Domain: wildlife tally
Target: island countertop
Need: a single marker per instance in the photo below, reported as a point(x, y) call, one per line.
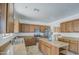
point(57, 44)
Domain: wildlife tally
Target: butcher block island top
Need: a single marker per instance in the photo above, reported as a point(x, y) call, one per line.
point(52, 47)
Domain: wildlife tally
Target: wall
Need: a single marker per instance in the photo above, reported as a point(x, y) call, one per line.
point(32, 22)
point(57, 24)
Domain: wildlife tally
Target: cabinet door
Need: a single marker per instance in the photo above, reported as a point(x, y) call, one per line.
point(1, 23)
point(42, 28)
point(27, 28)
point(73, 46)
point(47, 50)
point(20, 27)
point(63, 27)
point(76, 26)
point(69, 26)
point(60, 39)
point(32, 28)
point(10, 20)
point(78, 47)
point(3, 17)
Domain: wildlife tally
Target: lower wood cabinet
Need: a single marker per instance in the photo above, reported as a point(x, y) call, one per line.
point(48, 48)
point(78, 47)
point(73, 44)
point(45, 48)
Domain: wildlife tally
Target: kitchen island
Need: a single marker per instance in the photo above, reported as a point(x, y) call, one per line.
point(52, 47)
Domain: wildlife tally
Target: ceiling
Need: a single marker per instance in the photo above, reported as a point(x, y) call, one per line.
point(45, 12)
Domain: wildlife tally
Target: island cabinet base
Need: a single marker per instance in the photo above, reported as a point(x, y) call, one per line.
point(48, 49)
point(52, 48)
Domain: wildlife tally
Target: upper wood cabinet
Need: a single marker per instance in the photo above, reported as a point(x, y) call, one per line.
point(70, 26)
point(10, 20)
point(24, 27)
point(76, 25)
point(42, 28)
point(27, 27)
point(6, 20)
point(3, 13)
point(63, 27)
point(32, 27)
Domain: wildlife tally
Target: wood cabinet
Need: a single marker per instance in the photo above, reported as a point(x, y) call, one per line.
point(3, 14)
point(10, 19)
point(45, 48)
point(63, 27)
point(42, 28)
point(60, 39)
point(73, 46)
point(69, 26)
point(24, 27)
point(78, 47)
point(32, 27)
point(6, 20)
point(76, 26)
point(50, 48)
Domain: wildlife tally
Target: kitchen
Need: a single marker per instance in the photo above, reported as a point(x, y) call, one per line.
point(39, 29)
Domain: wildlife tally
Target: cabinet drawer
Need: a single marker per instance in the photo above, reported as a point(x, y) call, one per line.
point(66, 40)
point(60, 39)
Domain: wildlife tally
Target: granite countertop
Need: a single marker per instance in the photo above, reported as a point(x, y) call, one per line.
point(6, 39)
point(57, 44)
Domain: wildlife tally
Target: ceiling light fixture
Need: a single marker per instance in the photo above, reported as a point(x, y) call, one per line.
point(36, 10)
